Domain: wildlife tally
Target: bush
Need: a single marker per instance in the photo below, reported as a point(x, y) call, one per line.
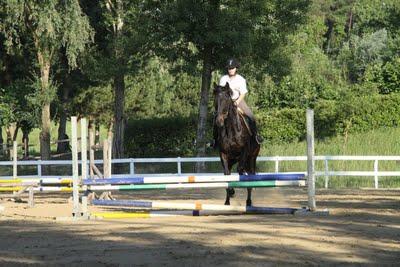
point(282, 126)
point(175, 136)
point(167, 137)
point(352, 115)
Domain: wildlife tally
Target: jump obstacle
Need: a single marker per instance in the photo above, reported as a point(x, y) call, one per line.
point(17, 187)
point(80, 210)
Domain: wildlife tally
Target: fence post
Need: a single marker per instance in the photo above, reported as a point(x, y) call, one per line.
point(84, 148)
point(310, 160)
point(376, 174)
point(131, 167)
point(15, 155)
point(109, 155)
point(91, 149)
point(39, 168)
point(31, 200)
point(326, 173)
point(75, 175)
point(178, 162)
point(105, 159)
point(276, 164)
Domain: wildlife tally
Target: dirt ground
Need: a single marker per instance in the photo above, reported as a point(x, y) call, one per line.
point(363, 228)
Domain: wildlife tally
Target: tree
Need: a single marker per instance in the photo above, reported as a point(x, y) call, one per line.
point(209, 32)
point(116, 54)
point(50, 25)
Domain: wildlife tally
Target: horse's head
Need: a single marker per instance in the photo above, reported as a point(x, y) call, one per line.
point(222, 103)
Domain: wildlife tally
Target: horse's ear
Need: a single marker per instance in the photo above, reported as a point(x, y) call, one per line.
point(215, 88)
point(228, 88)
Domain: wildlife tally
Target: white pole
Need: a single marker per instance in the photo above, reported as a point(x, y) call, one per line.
point(84, 147)
point(105, 159)
point(84, 170)
point(109, 155)
point(376, 173)
point(310, 160)
point(276, 164)
point(91, 149)
point(15, 154)
point(75, 175)
point(326, 174)
point(179, 166)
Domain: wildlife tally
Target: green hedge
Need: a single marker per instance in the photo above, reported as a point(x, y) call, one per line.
point(358, 114)
point(282, 126)
point(176, 136)
point(167, 137)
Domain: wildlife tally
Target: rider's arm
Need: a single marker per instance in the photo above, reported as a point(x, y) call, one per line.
point(242, 91)
point(241, 97)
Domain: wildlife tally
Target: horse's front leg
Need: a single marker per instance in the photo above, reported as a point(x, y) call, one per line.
point(227, 164)
point(244, 164)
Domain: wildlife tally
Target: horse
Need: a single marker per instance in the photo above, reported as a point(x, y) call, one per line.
point(235, 141)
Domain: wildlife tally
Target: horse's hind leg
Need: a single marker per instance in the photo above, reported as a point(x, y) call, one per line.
point(227, 164)
point(251, 169)
point(248, 201)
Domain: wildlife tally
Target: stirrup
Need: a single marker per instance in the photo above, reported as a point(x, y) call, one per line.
point(259, 139)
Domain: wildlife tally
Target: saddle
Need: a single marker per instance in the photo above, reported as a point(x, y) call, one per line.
point(246, 120)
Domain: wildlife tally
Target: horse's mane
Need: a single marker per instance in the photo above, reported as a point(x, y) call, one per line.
point(233, 116)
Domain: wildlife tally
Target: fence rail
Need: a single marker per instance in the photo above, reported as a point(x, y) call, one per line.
point(326, 172)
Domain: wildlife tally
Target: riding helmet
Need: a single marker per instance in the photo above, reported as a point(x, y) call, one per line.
point(232, 63)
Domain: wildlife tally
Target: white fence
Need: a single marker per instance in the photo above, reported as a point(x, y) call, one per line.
point(326, 173)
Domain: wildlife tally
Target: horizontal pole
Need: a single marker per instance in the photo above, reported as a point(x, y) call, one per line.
point(195, 185)
point(39, 189)
point(191, 206)
point(358, 173)
point(203, 159)
point(151, 214)
point(41, 181)
point(194, 179)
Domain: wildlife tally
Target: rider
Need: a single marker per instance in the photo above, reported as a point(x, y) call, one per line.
point(238, 85)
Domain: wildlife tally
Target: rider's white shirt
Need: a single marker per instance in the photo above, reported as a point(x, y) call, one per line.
point(237, 83)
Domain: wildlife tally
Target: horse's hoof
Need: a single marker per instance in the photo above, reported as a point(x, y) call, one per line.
point(227, 203)
point(249, 203)
point(231, 192)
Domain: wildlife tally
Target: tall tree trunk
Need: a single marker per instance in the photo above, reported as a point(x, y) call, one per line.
point(1, 140)
point(97, 134)
point(44, 64)
point(202, 122)
point(64, 146)
point(119, 117)
point(11, 133)
point(25, 142)
point(117, 8)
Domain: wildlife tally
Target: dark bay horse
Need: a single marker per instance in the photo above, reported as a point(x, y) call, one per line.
point(235, 142)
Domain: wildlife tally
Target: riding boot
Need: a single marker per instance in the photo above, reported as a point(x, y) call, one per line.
point(214, 142)
point(254, 130)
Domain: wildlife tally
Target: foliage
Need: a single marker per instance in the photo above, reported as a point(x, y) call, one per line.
point(51, 23)
point(158, 91)
point(95, 102)
point(283, 125)
point(167, 137)
point(16, 107)
point(344, 61)
point(384, 77)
